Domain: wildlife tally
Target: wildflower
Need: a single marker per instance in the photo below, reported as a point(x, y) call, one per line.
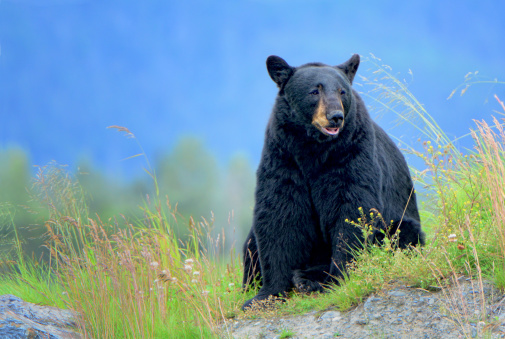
point(188, 261)
point(194, 281)
point(205, 293)
point(452, 237)
point(196, 273)
point(230, 285)
point(154, 264)
point(188, 268)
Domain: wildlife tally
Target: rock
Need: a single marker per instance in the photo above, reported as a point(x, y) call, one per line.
point(20, 319)
point(362, 321)
point(399, 313)
point(330, 316)
point(397, 294)
point(377, 316)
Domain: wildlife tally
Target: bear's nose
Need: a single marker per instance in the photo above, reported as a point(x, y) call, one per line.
point(336, 117)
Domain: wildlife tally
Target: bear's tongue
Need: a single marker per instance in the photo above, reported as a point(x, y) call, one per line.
point(331, 130)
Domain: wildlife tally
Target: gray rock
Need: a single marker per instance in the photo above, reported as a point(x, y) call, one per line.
point(20, 319)
point(330, 315)
point(397, 294)
point(362, 322)
point(400, 313)
point(376, 316)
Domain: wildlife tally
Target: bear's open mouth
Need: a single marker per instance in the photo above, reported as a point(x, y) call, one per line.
point(331, 130)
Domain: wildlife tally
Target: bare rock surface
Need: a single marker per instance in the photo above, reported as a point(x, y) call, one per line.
point(20, 319)
point(465, 310)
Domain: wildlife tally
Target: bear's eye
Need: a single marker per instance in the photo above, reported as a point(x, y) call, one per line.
point(314, 92)
point(342, 92)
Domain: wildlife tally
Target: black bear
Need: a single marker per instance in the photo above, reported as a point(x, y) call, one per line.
point(323, 159)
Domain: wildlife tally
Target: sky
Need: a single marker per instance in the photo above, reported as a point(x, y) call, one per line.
point(167, 69)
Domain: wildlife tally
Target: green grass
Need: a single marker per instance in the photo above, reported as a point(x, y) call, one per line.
point(126, 280)
point(286, 334)
point(137, 279)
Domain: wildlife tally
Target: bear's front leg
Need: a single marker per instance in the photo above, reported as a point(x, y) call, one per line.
point(284, 226)
point(252, 272)
point(344, 236)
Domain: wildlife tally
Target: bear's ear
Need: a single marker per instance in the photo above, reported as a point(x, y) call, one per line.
point(350, 67)
point(279, 70)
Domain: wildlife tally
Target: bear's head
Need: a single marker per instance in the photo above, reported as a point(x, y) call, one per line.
point(319, 96)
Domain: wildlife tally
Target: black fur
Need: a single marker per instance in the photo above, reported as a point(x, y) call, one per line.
point(313, 176)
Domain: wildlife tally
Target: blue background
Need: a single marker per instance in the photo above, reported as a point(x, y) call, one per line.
point(69, 69)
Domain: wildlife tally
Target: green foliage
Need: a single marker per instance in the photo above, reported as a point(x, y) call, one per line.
point(14, 176)
point(189, 176)
point(129, 280)
point(285, 333)
point(498, 275)
point(15, 205)
point(108, 197)
point(32, 281)
point(187, 172)
point(126, 280)
point(195, 186)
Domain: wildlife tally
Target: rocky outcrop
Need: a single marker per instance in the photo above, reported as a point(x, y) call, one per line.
point(20, 319)
point(464, 310)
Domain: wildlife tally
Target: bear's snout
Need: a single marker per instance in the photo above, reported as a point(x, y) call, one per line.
point(329, 116)
point(335, 118)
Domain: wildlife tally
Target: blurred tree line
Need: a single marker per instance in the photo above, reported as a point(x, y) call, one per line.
point(188, 176)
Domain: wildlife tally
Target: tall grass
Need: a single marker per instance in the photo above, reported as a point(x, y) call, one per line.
point(490, 148)
point(139, 280)
point(126, 279)
point(457, 197)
